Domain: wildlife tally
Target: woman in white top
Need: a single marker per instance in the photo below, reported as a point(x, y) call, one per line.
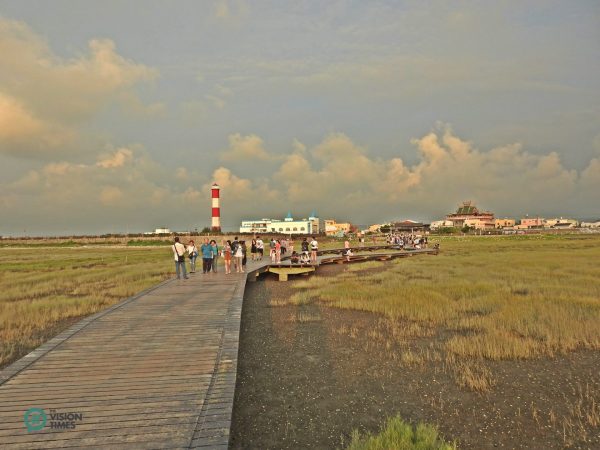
point(239, 256)
point(193, 252)
point(314, 248)
point(347, 250)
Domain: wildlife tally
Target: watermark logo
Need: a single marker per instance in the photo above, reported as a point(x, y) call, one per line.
point(35, 419)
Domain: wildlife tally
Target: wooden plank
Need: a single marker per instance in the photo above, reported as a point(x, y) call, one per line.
point(159, 368)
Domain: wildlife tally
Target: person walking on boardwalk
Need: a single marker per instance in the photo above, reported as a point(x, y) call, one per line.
point(305, 248)
point(314, 248)
point(260, 248)
point(215, 249)
point(283, 244)
point(227, 256)
point(207, 256)
point(244, 253)
point(347, 250)
point(179, 254)
point(277, 251)
point(234, 246)
point(193, 254)
point(239, 256)
point(253, 249)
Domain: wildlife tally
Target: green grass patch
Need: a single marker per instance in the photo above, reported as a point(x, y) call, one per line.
point(146, 243)
point(399, 435)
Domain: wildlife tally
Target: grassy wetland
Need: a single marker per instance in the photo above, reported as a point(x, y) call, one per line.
point(44, 290)
point(495, 341)
point(495, 298)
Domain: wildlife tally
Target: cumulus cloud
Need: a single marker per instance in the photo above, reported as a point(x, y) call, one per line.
point(125, 186)
point(341, 178)
point(337, 178)
point(44, 98)
point(250, 147)
point(24, 134)
point(117, 159)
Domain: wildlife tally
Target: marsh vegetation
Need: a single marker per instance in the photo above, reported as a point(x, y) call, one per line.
point(496, 340)
point(490, 298)
point(44, 290)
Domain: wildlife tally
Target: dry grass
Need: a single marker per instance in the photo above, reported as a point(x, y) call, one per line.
point(43, 290)
point(305, 317)
point(583, 414)
point(495, 298)
point(472, 375)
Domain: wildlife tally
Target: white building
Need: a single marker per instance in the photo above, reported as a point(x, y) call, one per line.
point(163, 230)
point(255, 226)
point(436, 224)
point(590, 224)
point(285, 226)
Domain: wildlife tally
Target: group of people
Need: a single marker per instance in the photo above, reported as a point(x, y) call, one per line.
point(308, 254)
point(209, 250)
point(231, 251)
point(236, 252)
point(407, 240)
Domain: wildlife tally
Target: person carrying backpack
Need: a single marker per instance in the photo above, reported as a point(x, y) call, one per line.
point(179, 254)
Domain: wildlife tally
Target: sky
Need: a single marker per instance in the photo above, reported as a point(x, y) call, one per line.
point(118, 116)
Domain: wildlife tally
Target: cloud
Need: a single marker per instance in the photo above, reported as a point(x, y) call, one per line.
point(44, 99)
point(341, 178)
point(125, 186)
point(200, 109)
point(110, 196)
point(23, 134)
point(117, 159)
point(250, 147)
point(222, 9)
point(336, 177)
point(230, 10)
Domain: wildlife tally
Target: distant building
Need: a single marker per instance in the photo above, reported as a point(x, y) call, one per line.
point(479, 224)
point(468, 214)
point(437, 224)
point(285, 226)
point(561, 223)
point(590, 224)
point(163, 230)
point(532, 222)
point(332, 228)
point(407, 225)
point(505, 223)
point(255, 226)
point(374, 228)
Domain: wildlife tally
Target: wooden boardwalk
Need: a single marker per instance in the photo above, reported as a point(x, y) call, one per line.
point(156, 371)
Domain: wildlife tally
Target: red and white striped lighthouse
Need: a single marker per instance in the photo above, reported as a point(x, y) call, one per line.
point(216, 209)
